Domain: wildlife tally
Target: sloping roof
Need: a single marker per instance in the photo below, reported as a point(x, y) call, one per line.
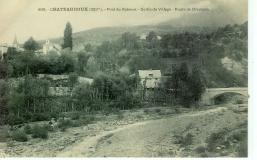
point(146, 73)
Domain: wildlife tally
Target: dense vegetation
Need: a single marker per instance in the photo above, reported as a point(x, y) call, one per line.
point(113, 65)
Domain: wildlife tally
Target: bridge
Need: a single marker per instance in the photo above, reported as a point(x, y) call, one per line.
point(211, 93)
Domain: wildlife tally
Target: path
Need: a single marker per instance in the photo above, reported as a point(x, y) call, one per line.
point(152, 138)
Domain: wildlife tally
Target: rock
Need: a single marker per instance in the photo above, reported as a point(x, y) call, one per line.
point(234, 141)
point(218, 148)
point(222, 146)
point(76, 134)
point(92, 134)
point(91, 149)
point(61, 148)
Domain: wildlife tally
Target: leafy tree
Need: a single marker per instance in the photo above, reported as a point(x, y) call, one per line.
point(83, 96)
point(197, 84)
point(151, 36)
point(67, 39)
point(31, 44)
point(66, 62)
point(3, 70)
point(3, 101)
point(129, 41)
point(152, 39)
point(88, 47)
point(82, 62)
point(187, 87)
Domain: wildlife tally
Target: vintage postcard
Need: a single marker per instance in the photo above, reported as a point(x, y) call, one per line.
point(116, 78)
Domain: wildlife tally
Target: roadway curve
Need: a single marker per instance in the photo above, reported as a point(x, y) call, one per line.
point(156, 137)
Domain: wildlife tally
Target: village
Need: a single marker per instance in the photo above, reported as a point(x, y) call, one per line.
point(151, 94)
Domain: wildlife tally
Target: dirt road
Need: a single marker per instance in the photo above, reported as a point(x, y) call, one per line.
point(156, 137)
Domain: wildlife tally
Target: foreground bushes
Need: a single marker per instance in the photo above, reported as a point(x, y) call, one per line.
point(19, 135)
point(184, 141)
point(63, 124)
point(39, 132)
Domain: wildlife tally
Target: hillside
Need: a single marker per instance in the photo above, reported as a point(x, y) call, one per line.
point(98, 35)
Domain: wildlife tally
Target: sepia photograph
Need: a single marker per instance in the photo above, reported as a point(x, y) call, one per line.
point(116, 78)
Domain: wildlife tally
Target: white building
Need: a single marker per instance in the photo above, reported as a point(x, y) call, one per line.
point(48, 47)
point(150, 79)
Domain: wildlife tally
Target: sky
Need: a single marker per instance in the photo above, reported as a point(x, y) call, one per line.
point(22, 18)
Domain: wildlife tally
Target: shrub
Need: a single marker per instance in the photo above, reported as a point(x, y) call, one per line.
point(48, 127)
point(88, 119)
point(200, 149)
point(75, 116)
point(146, 111)
point(54, 115)
point(184, 140)
point(27, 116)
point(39, 132)
point(40, 117)
point(177, 110)
point(14, 120)
point(19, 135)
point(64, 124)
point(239, 101)
point(27, 129)
point(77, 123)
point(243, 148)
point(187, 140)
point(4, 135)
point(157, 110)
point(216, 139)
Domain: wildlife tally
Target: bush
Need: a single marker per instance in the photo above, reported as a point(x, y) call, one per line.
point(75, 116)
point(157, 110)
point(19, 135)
point(239, 101)
point(146, 111)
point(184, 140)
point(243, 148)
point(200, 149)
point(216, 139)
point(4, 134)
point(88, 119)
point(40, 117)
point(77, 123)
point(27, 129)
point(39, 132)
point(48, 127)
point(27, 117)
point(54, 115)
point(63, 124)
point(14, 120)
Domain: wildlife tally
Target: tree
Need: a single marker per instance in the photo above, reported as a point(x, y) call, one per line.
point(187, 87)
point(88, 47)
point(151, 36)
point(129, 40)
point(3, 101)
point(152, 39)
point(3, 70)
point(67, 39)
point(83, 96)
point(197, 84)
point(31, 45)
point(82, 62)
